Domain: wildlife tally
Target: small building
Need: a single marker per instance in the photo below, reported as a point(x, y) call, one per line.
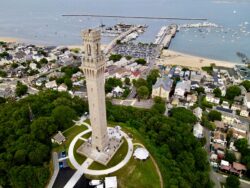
point(198, 130)
point(62, 87)
point(182, 87)
point(198, 112)
point(225, 104)
point(51, 85)
point(162, 88)
point(117, 91)
point(212, 99)
point(244, 112)
point(111, 182)
point(238, 168)
point(247, 100)
point(59, 138)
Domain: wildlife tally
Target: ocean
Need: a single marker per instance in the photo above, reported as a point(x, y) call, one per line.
point(41, 22)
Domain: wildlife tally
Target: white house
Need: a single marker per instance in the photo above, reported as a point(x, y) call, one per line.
point(198, 112)
point(62, 87)
point(247, 100)
point(51, 85)
point(182, 87)
point(162, 88)
point(198, 130)
point(212, 99)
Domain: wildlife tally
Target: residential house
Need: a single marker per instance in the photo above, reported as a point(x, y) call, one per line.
point(247, 100)
point(162, 88)
point(212, 99)
point(62, 87)
point(244, 112)
point(198, 112)
point(51, 85)
point(198, 130)
point(182, 87)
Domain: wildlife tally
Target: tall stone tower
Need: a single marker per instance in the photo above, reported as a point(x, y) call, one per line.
point(93, 66)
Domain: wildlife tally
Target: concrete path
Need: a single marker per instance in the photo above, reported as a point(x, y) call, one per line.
point(71, 148)
point(74, 179)
point(62, 159)
point(56, 170)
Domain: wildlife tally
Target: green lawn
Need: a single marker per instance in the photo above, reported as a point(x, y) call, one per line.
point(87, 135)
point(79, 158)
point(70, 135)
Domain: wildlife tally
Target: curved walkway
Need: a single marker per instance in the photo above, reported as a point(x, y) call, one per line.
point(155, 164)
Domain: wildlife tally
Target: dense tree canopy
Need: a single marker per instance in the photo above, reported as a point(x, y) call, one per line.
point(110, 83)
point(217, 92)
point(246, 84)
point(232, 182)
point(142, 92)
point(181, 158)
point(25, 130)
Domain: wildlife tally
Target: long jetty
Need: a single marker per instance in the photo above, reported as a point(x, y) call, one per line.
point(134, 17)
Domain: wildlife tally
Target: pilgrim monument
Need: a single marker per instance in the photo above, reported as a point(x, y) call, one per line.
point(101, 146)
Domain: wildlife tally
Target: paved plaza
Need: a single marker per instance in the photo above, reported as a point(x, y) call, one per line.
point(103, 157)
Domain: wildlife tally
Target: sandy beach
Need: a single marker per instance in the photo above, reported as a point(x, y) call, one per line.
point(169, 57)
point(9, 39)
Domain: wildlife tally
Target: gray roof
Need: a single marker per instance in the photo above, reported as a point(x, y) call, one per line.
point(166, 83)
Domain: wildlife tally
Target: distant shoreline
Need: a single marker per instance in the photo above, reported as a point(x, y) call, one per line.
point(168, 57)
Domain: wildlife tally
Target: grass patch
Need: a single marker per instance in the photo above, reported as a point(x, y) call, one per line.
point(87, 135)
point(117, 158)
point(79, 158)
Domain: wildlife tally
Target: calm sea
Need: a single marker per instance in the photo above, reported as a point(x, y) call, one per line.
point(40, 22)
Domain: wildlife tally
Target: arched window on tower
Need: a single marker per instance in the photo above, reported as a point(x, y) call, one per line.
point(97, 49)
point(88, 50)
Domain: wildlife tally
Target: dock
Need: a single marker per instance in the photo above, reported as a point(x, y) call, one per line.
point(165, 36)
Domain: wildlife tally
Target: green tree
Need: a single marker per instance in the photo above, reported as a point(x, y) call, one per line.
point(110, 83)
point(246, 84)
point(20, 156)
point(241, 145)
point(140, 82)
point(141, 61)
point(217, 92)
point(214, 115)
point(152, 77)
point(142, 92)
point(21, 89)
point(64, 121)
point(115, 57)
point(127, 81)
point(200, 90)
point(184, 115)
point(2, 100)
point(232, 92)
point(68, 83)
point(230, 157)
point(232, 182)
point(43, 61)
point(3, 73)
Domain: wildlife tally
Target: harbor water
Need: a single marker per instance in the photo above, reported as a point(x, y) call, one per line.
point(41, 22)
